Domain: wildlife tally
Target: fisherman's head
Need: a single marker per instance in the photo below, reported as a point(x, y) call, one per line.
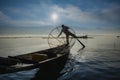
point(62, 25)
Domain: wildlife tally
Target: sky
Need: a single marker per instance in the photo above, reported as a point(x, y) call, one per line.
point(39, 16)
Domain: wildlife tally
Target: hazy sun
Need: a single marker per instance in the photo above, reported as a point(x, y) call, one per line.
point(54, 16)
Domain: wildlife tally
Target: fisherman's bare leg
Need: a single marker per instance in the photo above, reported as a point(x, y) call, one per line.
point(67, 39)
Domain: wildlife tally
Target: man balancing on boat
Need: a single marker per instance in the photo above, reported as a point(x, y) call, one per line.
point(66, 31)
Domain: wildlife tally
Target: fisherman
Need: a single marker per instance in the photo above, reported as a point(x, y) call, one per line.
point(66, 31)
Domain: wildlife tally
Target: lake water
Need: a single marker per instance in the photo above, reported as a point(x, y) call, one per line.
point(99, 60)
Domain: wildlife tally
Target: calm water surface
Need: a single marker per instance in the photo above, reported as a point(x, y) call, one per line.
point(100, 60)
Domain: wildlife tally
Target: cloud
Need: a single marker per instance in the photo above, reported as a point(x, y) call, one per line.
point(3, 17)
point(107, 18)
point(111, 14)
point(29, 23)
point(76, 14)
point(40, 15)
point(7, 21)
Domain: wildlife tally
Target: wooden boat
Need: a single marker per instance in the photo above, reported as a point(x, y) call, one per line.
point(49, 61)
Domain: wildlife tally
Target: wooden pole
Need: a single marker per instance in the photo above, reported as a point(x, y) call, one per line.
point(80, 42)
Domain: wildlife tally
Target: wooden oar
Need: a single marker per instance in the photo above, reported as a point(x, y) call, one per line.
point(80, 42)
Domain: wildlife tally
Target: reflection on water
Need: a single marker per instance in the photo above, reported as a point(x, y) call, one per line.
point(98, 61)
point(15, 46)
point(23, 75)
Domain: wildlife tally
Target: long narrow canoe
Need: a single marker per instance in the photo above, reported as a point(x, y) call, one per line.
point(49, 61)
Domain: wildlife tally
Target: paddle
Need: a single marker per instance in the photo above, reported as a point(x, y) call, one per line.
point(80, 42)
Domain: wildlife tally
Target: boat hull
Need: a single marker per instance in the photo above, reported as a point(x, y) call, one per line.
point(50, 67)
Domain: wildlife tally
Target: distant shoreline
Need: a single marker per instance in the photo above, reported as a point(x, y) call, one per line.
point(19, 37)
point(44, 37)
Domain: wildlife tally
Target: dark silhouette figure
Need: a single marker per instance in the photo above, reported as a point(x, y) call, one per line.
point(66, 31)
